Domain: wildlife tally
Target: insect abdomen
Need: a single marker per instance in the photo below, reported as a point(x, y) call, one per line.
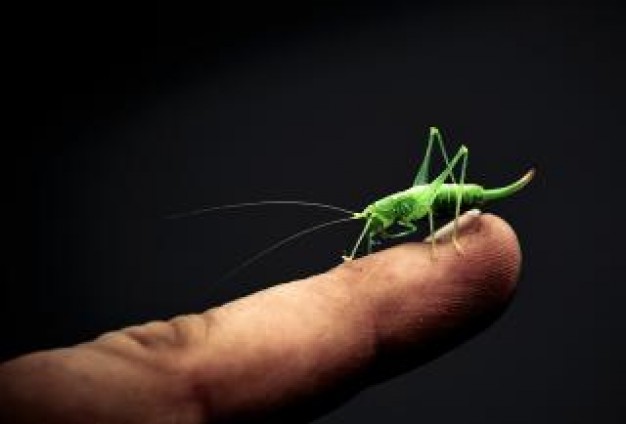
point(472, 195)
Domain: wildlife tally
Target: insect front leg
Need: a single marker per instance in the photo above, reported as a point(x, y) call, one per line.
point(366, 231)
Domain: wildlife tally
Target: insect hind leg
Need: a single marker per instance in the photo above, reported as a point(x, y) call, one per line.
point(437, 183)
point(424, 170)
point(457, 212)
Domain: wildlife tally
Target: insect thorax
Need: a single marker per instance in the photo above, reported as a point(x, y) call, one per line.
point(406, 205)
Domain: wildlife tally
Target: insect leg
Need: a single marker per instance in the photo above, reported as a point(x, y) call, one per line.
point(358, 242)
point(370, 243)
point(422, 174)
point(459, 195)
point(436, 184)
point(431, 224)
point(411, 228)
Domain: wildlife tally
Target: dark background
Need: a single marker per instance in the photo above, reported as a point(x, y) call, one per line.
point(117, 115)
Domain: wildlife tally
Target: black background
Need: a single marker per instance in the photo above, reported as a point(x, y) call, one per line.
point(118, 114)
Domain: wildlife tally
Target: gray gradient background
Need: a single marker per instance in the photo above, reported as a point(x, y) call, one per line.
point(121, 114)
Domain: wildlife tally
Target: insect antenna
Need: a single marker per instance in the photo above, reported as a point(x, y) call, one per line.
point(261, 203)
point(280, 243)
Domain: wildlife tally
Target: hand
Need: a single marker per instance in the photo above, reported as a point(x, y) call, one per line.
point(289, 352)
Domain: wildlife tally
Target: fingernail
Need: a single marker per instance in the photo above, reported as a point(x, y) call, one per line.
point(445, 233)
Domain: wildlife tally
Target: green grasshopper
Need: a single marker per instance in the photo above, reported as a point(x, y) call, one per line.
point(429, 199)
point(402, 209)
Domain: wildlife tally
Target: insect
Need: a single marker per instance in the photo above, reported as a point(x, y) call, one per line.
point(428, 199)
point(423, 200)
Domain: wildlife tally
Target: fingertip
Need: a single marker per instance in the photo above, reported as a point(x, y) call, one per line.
point(499, 255)
point(435, 299)
point(490, 259)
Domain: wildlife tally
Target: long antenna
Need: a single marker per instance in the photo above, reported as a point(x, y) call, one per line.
point(281, 243)
point(261, 203)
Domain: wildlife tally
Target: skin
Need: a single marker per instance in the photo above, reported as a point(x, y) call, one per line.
point(289, 352)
